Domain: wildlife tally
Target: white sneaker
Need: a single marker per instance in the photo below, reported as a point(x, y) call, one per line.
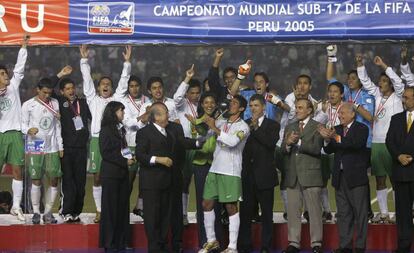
point(19, 213)
point(229, 250)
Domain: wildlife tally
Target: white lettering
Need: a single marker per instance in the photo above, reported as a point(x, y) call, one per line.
point(3, 27)
point(40, 19)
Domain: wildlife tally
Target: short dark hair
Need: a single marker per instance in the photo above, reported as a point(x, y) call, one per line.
point(134, 78)
point(105, 77)
point(337, 84)
point(353, 71)
point(309, 103)
point(304, 76)
point(262, 74)
point(194, 83)
point(64, 81)
point(258, 97)
point(229, 69)
point(242, 101)
point(45, 83)
point(154, 79)
point(4, 67)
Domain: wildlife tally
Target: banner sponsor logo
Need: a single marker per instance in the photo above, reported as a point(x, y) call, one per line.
point(111, 18)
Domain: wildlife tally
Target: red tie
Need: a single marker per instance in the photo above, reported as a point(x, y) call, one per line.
point(301, 125)
point(345, 131)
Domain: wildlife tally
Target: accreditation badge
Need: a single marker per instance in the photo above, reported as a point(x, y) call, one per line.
point(77, 121)
point(126, 153)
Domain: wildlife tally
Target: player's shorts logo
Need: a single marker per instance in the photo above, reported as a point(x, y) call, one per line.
point(45, 123)
point(5, 104)
point(111, 18)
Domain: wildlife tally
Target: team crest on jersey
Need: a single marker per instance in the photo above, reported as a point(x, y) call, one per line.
point(111, 18)
point(66, 104)
point(5, 104)
point(45, 123)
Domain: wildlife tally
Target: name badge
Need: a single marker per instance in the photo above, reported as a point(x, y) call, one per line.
point(77, 121)
point(35, 146)
point(126, 153)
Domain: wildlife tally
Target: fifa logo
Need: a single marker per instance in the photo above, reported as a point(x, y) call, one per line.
point(109, 18)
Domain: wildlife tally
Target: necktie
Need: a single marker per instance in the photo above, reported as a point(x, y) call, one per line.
point(301, 125)
point(409, 121)
point(345, 131)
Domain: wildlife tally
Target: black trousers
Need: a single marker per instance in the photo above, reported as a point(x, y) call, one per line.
point(114, 230)
point(404, 197)
point(176, 212)
point(251, 196)
point(157, 218)
point(73, 180)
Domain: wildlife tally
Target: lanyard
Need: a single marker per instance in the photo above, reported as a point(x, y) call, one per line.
point(77, 111)
point(49, 106)
point(193, 110)
point(227, 127)
point(381, 106)
point(333, 116)
point(3, 91)
point(356, 96)
point(138, 107)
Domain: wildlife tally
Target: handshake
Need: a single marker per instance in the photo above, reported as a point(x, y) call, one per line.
point(331, 51)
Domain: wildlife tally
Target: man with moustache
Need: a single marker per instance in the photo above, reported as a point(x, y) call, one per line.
point(302, 146)
point(74, 119)
point(349, 178)
point(400, 139)
point(259, 177)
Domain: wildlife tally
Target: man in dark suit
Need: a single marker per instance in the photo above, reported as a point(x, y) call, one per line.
point(155, 152)
point(349, 177)
point(302, 145)
point(176, 206)
point(259, 176)
point(400, 139)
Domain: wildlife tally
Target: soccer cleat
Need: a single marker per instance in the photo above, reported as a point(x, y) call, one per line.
point(381, 219)
point(210, 247)
point(48, 218)
point(97, 218)
point(36, 218)
point(67, 218)
point(285, 216)
point(18, 212)
point(185, 220)
point(327, 217)
point(306, 216)
point(76, 218)
point(138, 212)
point(229, 250)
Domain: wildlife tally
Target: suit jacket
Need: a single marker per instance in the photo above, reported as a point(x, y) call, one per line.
point(182, 143)
point(258, 154)
point(113, 165)
point(350, 154)
point(304, 161)
point(150, 142)
point(400, 142)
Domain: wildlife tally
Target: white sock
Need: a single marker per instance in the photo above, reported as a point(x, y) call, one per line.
point(283, 194)
point(185, 203)
point(97, 195)
point(139, 204)
point(17, 188)
point(35, 195)
point(209, 218)
point(50, 198)
point(234, 221)
point(382, 200)
point(325, 200)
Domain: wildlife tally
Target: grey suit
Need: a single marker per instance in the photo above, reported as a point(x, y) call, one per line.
point(304, 178)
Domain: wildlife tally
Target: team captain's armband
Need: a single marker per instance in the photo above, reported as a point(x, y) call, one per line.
point(240, 135)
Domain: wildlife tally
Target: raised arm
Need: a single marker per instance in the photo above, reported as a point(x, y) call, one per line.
point(126, 73)
point(213, 74)
point(395, 79)
point(179, 95)
point(88, 85)
point(364, 78)
point(243, 71)
point(18, 71)
point(330, 65)
point(407, 75)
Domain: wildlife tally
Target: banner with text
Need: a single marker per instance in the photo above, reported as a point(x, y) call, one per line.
point(204, 21)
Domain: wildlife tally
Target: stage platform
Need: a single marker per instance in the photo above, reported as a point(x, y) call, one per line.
point(25, 237)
